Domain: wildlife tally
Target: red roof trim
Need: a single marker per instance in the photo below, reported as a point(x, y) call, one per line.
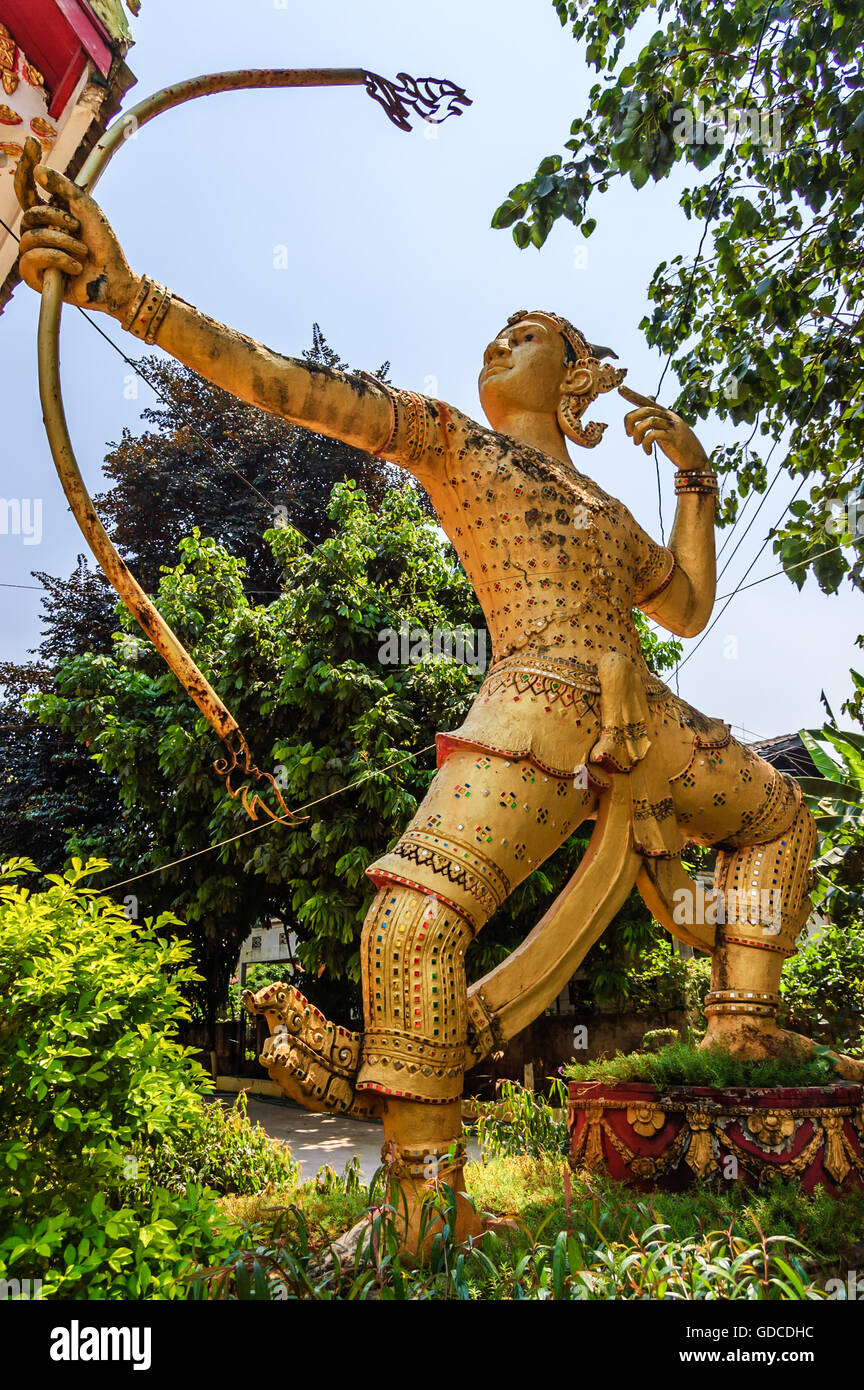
point(67, 84)
point(89, 31)
point(54, 32)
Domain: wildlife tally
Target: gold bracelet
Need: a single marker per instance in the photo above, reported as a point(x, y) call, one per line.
point(145, 315)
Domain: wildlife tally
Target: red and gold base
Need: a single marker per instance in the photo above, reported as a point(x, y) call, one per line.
point(653, 1138)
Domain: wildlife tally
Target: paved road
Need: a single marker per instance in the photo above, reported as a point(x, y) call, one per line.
point(318, 1139)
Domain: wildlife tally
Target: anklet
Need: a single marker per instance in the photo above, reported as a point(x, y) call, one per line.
point(739, 1001)
point(428, 1162)
point(759, 945)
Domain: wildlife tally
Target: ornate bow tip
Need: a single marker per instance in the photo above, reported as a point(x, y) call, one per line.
point(252, 803)
point(425, 95)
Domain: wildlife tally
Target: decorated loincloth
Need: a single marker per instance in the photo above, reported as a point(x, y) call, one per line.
point(567, 717)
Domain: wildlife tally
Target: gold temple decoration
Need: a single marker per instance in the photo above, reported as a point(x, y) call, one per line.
point(706, 1128)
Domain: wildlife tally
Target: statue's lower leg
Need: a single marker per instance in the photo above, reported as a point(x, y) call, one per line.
point(423, 1155)
point(762, 895)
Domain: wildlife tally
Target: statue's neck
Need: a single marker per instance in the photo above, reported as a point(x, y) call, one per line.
point(540, 432)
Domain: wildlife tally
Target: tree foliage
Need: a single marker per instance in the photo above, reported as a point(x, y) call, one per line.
point(207, 460)
point(303, 677)
point(765, 327)
point(232, 470)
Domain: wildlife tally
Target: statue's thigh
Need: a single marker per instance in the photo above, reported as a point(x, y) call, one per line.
point(484, 825)
point(731, 795)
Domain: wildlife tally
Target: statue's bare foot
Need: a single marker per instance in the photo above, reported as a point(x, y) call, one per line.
point(758, 1040)
point(747, 1038)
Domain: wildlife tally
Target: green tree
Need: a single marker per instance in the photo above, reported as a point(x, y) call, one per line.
point(765, 327)
point(836, 799)
point(232, 470)
point(207, 460)
point(303, 676)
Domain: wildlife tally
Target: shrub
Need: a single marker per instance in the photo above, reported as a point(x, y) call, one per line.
point(822, 987)
point(522, 1122)
point(658, 1038)
point(223, 1152)
point(682, 1064)
point(91, 1080)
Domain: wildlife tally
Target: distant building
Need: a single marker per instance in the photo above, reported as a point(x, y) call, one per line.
point(787, 753)
point(63, 77)
point(267, 945)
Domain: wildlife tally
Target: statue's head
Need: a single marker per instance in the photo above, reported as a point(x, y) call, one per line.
point(541, 363)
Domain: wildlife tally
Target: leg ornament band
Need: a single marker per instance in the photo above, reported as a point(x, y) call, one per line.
point(754, 945)
point(431, 1163)
point(741, 1001)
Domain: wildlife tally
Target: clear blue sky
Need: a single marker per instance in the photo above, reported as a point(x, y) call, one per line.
point(390, 250)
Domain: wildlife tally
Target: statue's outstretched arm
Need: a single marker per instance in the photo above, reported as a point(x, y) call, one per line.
point(73, 235)
point(682, 605)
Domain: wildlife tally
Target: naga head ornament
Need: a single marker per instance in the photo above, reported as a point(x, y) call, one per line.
point(592, 379)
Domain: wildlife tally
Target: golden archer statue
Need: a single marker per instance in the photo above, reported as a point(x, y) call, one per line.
point(569, 726)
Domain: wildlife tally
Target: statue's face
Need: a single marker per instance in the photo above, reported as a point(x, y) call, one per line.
point(523, 369)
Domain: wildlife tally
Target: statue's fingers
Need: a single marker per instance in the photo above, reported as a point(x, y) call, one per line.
point(25, 187)
point(34, 264)
point(653, 422)
point(634, 397)
point(54, 238)
point(636, 419)
point(651, 438)
point(61, 188)
point(43, 216)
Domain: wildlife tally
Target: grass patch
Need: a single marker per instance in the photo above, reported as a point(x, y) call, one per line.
point(533, 1192)
point(683, 1064)
point(576, 1236)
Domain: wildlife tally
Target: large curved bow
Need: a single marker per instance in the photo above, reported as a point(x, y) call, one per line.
point(425, 96)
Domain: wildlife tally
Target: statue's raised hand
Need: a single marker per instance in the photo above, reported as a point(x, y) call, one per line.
point(72, 234)
point(651, 423)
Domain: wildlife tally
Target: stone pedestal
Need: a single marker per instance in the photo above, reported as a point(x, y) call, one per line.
point(667, 1138)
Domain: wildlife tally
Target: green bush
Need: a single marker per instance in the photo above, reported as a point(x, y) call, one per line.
point(822, 987)
point(91, 1080)
point(522, 1122)
point(223, 1152)
point(683, 1064)
point(657, 1038)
